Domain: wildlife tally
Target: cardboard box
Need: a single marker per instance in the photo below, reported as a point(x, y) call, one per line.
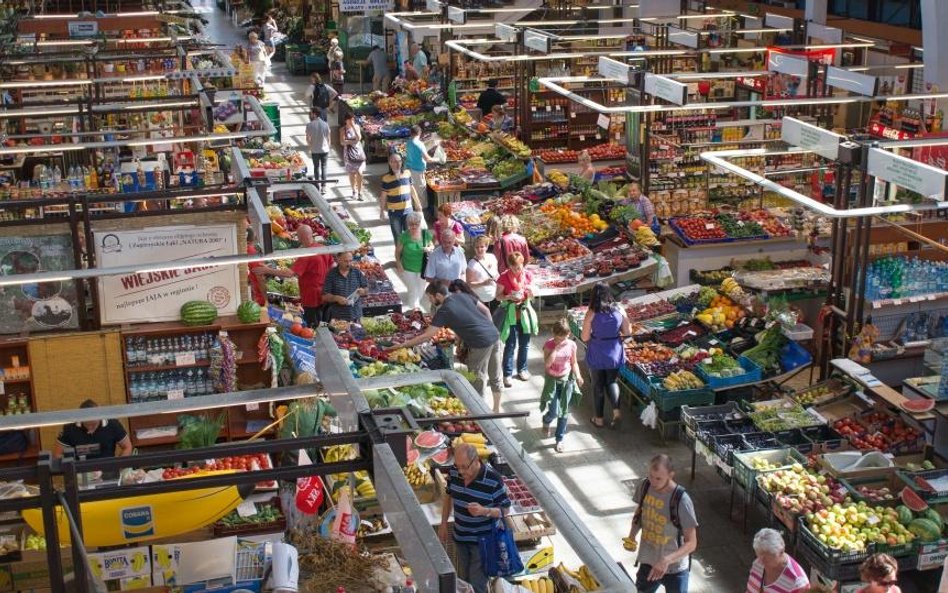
point(35, 574)
point(251, 586)
point(121, 564)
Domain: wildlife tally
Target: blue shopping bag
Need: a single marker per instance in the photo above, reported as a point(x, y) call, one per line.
point(499, 554)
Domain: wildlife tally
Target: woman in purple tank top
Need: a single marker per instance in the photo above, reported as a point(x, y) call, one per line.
point(604, 327)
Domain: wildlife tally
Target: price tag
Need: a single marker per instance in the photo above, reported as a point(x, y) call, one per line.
point(572, 115)
point(706, 361)
point(247, 509)
point(598, 137)
point(872, 520)
point(175, 394)
point(252, 407)
point(914, 299)
point(740, 223)
point(603, 121)
point(709, 226)
point(533, 108)
point(582, 138)
point(548, 109)
point(897, 302)
point(3, 388)
point(184, 359)
point(415, 325)
point(713, 342)
point(930, 297)
point(618, 135)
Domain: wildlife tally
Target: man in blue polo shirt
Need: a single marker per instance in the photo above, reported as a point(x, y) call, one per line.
point(477, 494)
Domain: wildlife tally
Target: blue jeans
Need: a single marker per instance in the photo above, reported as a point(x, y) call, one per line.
point(470, 568)
point(398, 222)
point(552, 412)
point(674, 583)
point(519, 341)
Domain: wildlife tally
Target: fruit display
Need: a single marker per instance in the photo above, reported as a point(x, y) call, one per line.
point(777, 418)
point(698, 229)
point(562, 250)
point(379, 326)
point(518, 148)
point(721, 314)
point(558, 178)
point(198, 313)
point(578, 580)
point(821, 392)
point(538, 585)
point(643, 235)
point(871, 494)
point(771, 225)
point(679, 335)
point(476, 440)
point(740, 226)
point(520, 495)
point(800, 491)
point(418, 477)
point(853, 527)
point(647, 352)
point(398, 104)
point(559, 156)
point(576, 223)
point(682, 380)
point(639, 312)
point(606, 152)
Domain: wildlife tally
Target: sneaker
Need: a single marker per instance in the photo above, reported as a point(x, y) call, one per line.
point(524, 375)
point(558, 447)
point(508, 382)
point(547, 430)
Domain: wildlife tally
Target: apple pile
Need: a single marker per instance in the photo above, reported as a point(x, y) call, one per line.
point(459, 427)
point(852, 527)
point(559, 156)
point(876, 494)
point(800, 491)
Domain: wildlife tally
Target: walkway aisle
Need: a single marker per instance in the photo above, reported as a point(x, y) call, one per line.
point(597, 468)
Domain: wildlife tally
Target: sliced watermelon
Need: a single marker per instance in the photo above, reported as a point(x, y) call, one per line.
point(442, 457)
point(918, 405)
point(429, 439)
point(412, 456)
point(913, 500)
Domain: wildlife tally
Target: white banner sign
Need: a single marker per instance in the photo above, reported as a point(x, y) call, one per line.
point(785, 64)
point(457, 15)
point(505, 32)
point(778, 21)
point(432, 6)
point(158, 296)
point(614, 70)
point(822, 142)
point(365, 5)
point(82, 29)
point(682, 37)
point(654, 8)
point(536, 41)
point(666, 88)
point(823, 33)
point(856, 82)
point(912, 175)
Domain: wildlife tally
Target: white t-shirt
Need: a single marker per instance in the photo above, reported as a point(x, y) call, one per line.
point(487, 292)
point(317, 135)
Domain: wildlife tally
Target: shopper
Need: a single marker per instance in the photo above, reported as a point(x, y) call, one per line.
point(604, 327)
point(271, 34)
point(353, 155)
point(444, 220)
point(317, 137)
point(510, 241)
point(379, 62)
point(258, 272)
point(642, 204)
point(586, 169)
point(410, 252)
point(398, 198)
point(258, 55)
point(560, 381)
point(666, 518)
point(470, 320)
point(482, 274)
point(311, 274)
point(416, 160)
point(337, 68)
point(881, 571)
point(436, 77)
point(490, 97)
point(514, 291)
point(447, 262)
point(419, 60)
point(345, 286)
point(775, 571)
point(322, 97)
point(94, 439)
point(477, 495)
point(499, 120)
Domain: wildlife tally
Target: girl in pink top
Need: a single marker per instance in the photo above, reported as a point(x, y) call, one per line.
point(881, 571)
point(444, 221)
point(561, 381)
point(774, 571)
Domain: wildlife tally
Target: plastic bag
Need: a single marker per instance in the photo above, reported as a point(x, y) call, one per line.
point(499, 555)
point(440, 155)
point(663, 273)
point(342, 525)
point(649, 416)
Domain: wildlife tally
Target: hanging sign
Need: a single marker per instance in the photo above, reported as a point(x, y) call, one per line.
point(433, 6)
point(784, 64)
point(682, 37)
point(658, 8)
point(822, 142)
point(615, 70)
point(505, 32)
point(457, 15)
point(855, 82)
point(918, 177)
point(37, 306)
point(666, 88)
point(603, 121)
point(536, 41)
point(777, 21)
point(82, 29)
point(365, 5)
point(158, 296)
point(826, 34)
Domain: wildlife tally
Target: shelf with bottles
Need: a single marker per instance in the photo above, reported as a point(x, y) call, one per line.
point(16, 395)
point(463, 69)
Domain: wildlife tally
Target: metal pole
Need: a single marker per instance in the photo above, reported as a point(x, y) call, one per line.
point(71, 498)
point(48, 501)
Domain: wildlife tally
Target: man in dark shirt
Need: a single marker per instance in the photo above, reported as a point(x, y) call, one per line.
point(478, 497)
point(470, 319)
point(94, 439)
point(344, 288)
point(490, 97)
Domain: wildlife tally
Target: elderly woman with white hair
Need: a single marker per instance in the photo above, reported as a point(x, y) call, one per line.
point(774, 571)
point(410, 252)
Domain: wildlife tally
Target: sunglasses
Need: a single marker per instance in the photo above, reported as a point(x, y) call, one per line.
point(468, 466)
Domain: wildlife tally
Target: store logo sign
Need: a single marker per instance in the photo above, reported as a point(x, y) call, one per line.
point(137, 522)
point(912, 175)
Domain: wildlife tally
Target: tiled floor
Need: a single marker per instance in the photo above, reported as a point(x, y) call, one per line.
point(596, 469)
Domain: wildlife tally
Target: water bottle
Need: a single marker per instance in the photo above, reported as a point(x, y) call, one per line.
point(180, 383)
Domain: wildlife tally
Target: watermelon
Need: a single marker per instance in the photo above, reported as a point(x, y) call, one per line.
point(198, 313)
point(905, 514)
point(429, 439)
point(412, 456)
point(925, 530)
point(913, 500)
point(442, 457)
point(935, 517)
point(918, 406)
point(248, 312)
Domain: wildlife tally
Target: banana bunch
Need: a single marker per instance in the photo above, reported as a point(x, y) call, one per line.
point(478, 440)
point(645, 237)
point(586, 578)
point(630, 544)
point(462, 116)
point(558, 178)
point(416, 476)
point(364, 488)
point(475, 162)
point(539, 585)
point(339, 453)
point(404, 356)
point(731, 288)
point(447, 406)
point(293, 213)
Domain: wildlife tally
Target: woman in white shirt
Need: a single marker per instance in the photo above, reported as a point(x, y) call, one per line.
point(481, 273)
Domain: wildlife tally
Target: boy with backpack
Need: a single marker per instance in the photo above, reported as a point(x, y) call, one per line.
point(666, 518)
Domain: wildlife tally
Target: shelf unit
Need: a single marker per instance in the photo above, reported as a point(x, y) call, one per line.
point(553, 121)
point(17, 394)
point(249, 372)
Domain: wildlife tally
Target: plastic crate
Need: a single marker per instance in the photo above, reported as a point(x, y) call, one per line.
point(929, 496)
point(635, 380)
point(706, 430)
point(752, 374)
point(831, 562)
point(824, 438)
point(691, 415)
point(725, 446)
point(891, 481)
point(746, 475)
point(666, 400)
point(794, 438)
point(759, 441)
point(799, 332)
point(835, 389)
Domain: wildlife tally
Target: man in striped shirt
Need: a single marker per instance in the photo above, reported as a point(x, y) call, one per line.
point(477, 494)
point(397, 197)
